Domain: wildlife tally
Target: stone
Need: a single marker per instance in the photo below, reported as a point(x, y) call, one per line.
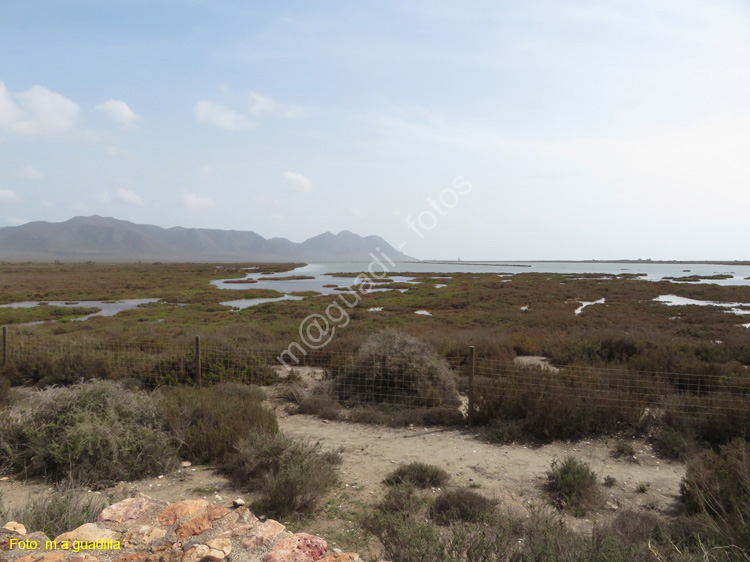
point(135, 557)
point(85, 557)
point(27, 558)
point(130, 508)
point(88, 532)
point(263, 534)
point(186, 464)
point(215, 512)
point(185, 508)
point(239, 502)
point(196, 554)
point(15, 527)
point(245, 516)
point(55, 556)
point(342, 557)
point(300, 547)
point(220, 545)
point(143, 535)
point(194, 526)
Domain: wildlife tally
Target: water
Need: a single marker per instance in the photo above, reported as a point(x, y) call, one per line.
point(108, 308)
point(585, 304)
point(674, 300)
point(241, 304)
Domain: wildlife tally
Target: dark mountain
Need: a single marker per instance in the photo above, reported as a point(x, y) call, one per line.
point(98, 238)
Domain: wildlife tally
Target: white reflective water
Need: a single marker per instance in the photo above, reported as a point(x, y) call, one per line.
point(108, 308)
point(585, 304)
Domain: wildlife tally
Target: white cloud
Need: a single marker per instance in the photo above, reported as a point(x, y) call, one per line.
point(261, 103)
point(298, 182)
point(215, 114)
point(37, 111)
point(120, 112)
point(7, 196)
point(195, 203)
point(130, 197)
point(26, 174)
point(16, 221)
point(356, 212)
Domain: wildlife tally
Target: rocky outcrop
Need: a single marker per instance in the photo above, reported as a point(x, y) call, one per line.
point(143, 529)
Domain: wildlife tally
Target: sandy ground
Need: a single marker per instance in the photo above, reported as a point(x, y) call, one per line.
point(512, 474)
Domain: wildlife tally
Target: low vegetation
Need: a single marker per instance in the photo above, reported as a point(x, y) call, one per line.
point(290, 476)
point(418, 474)
point(573, 486)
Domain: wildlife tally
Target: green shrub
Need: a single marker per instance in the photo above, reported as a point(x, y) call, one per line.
point(398, 369)
point(572, 485)
point(95, 431)
point(209, 422)
point(66, 508)
point(717, 484)
point(674, 444)
point(461, 505)
point(418, 474)
point(291, 476)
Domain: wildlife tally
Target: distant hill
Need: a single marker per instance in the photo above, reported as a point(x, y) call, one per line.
point(106, 239)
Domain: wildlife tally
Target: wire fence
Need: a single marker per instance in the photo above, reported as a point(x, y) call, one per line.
point(551, 401)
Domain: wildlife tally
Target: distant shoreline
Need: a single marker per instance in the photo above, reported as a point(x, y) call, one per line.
point(522, 263)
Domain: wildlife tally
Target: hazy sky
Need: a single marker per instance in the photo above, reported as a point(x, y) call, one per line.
point(587, 129)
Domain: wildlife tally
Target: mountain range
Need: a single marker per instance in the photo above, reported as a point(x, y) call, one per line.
point(106, 239)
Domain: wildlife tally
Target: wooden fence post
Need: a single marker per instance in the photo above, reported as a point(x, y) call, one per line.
point(5, 344)
point(198, 360)
point(472, 362)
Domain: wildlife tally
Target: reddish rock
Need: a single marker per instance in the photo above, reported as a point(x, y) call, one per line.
point(215, 512)
point(220, 548)
point(27, 558)
point(245, 516)
point(55, 556)
point(194, 526)
point(186, 508)
point(196, 554)
point(342, 557)
point(300, 547)
point(131, 508)
point(84, 558)
point(143, 535)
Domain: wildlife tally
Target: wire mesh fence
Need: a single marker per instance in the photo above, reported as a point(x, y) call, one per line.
point(551, 401)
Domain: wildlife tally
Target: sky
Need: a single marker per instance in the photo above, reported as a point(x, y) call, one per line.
point(481, 130)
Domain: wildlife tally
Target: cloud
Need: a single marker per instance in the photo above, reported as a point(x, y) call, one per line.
point(356, 212)
point(38, 112)
point(298, 182)
point(26, 174)
point(120, 112)
point(130, 197)
point(215, 114)
point(195, 203)
point(7, 196)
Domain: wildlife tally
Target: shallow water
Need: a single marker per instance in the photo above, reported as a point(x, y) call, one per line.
point(108, 308)
point(585, 304)
point(674, 300)
point(241, 304)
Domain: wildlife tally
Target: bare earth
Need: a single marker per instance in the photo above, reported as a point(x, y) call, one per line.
point(513, 474)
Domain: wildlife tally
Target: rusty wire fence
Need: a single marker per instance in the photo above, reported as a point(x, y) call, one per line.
point(549, 401)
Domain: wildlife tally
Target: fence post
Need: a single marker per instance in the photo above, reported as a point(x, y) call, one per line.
point(198, 360)
point(5, 344)
point(472, 352)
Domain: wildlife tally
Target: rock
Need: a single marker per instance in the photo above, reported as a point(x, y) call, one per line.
point(135, 557)
point(88, 532)
point(263, 534)
point(186, 464)
point(55, 556)
point(215, 512)
point(239, 502)
point(220, 548)
point(131, 508)
point(194, 526)
point(85, 557)
point(300, 547)
point(15, 527)
point(185, 508)
point(245, 516)
point(27, 558)
point(196, 554)
point(342, 557)
point(143, 535)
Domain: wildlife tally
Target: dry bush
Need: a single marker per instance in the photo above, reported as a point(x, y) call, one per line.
point(417, 474)
point(398, 369)
point(461, 505)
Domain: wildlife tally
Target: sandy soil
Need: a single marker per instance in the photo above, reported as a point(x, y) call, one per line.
point(513, 474)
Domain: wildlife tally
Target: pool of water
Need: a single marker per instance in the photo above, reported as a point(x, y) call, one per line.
point(108, 308)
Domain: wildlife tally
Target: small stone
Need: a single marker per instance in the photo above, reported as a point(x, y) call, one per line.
point(15, 527)
point(185, 464)
point(239, 502)
point(196, 554)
